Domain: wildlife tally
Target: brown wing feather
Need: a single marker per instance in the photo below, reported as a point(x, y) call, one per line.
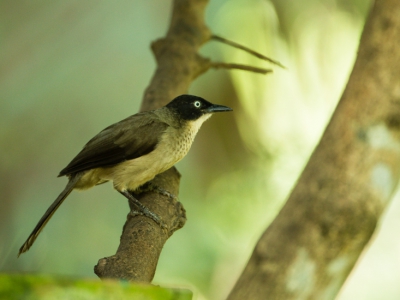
point(130, 138)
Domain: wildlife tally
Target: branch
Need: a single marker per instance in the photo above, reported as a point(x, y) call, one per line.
point(248, 50)
point(314, 242)
point(178, 64)
point(221, 65)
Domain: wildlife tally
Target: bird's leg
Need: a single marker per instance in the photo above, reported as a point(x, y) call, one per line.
point(142, 209)
point(149, 186)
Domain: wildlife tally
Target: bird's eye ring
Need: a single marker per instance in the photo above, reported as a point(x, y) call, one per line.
point(197, 104)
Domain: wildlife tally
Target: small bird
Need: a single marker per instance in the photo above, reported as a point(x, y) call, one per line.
point(133, 151)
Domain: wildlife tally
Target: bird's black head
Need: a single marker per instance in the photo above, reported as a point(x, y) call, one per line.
point(190, 107)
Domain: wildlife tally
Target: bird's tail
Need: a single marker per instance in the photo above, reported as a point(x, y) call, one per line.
point(49, 213)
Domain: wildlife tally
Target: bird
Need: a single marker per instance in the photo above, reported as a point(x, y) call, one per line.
point(132, 152)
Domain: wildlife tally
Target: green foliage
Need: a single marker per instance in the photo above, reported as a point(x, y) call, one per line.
point(30, 287)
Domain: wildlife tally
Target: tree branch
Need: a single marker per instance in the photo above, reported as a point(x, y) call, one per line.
point(248, 50)
point(312, 245)
point(221, 65)
point(178, 64)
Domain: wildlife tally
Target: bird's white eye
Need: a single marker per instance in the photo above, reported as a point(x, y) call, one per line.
point(197, 104)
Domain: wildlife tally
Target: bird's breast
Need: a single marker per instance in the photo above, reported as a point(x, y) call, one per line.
point(177, 143)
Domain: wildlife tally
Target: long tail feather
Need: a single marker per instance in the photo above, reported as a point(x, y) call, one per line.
point(49, 213)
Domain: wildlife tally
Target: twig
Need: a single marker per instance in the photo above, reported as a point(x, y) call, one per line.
point(248, 50)
point(221, 65)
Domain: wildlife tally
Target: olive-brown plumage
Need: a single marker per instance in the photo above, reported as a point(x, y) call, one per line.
point(133, 151)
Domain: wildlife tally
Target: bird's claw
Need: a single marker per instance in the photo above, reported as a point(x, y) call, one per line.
point(149, 186)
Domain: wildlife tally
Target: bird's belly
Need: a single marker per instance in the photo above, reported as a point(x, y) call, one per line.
point(131, 174)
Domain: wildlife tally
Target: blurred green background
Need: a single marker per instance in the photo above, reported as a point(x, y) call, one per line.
point(70, 68)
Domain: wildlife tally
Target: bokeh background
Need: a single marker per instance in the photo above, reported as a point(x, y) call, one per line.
point(70, 68)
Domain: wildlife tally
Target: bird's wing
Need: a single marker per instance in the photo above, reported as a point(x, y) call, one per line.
point(130, 138)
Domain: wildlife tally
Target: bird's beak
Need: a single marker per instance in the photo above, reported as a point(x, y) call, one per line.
point(217, 108)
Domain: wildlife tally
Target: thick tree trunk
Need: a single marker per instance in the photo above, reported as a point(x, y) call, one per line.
point(311, 247)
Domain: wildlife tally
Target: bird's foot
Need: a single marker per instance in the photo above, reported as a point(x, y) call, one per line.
point(150, 215)
point(142, 209)
point(149, 186)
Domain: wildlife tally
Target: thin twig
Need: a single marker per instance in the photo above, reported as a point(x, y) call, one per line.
point(248, 50)
point(221, 65)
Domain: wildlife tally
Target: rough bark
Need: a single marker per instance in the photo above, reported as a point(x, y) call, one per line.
point(178, 64)
point(310, 248)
